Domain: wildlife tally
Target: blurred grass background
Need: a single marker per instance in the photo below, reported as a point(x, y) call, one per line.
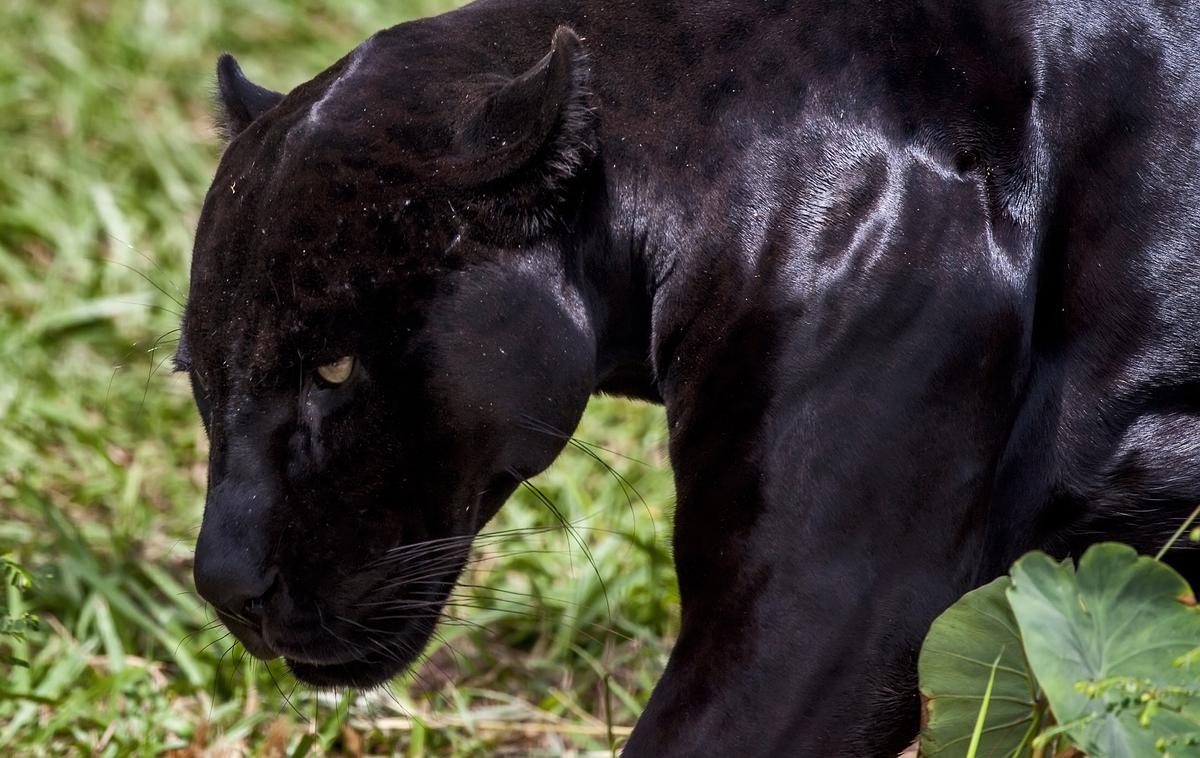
point(106, 150)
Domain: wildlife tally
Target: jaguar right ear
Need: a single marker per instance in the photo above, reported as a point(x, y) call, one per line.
point(240, 101)
point(521, 146)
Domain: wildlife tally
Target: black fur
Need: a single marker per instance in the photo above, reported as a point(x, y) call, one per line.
point(916, 282)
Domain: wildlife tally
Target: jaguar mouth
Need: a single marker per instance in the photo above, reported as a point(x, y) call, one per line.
point(319, 661)
point(365, 668)
point(250, 637)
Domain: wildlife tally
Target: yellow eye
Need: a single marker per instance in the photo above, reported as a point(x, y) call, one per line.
point(338, 371)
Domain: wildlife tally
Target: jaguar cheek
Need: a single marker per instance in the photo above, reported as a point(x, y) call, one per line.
point(515, 353)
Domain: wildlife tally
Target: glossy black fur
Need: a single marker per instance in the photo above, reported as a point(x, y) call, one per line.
point(916, 281)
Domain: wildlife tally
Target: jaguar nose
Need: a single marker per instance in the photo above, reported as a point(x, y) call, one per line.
point(233, 584)
point(234, 569)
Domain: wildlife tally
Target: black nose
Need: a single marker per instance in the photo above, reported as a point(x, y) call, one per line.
point(234, 569)
point(233, 580)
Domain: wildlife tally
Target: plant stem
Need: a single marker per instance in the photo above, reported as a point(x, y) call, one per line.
point(1178, 533)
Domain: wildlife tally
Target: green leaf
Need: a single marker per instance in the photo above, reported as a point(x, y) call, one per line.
point(955, 665)
point(1104, 643)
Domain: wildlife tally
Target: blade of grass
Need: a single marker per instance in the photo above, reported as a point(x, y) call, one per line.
point(977, 733)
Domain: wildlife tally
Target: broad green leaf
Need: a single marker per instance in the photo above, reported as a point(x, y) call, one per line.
point(1099, 638)
point(956, 661)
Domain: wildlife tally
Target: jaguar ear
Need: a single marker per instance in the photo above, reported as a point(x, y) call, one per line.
point(239, 100)
point(520, 148)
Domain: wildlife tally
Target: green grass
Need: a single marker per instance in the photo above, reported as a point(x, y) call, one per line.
point(107, 151)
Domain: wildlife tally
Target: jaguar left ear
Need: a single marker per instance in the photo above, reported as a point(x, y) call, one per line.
point(519, 148)
point(239, 99)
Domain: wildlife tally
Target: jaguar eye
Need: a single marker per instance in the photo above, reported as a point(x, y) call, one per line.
point(338, 371)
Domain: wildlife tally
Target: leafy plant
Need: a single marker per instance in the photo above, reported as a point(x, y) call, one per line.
point(1103, 657)
point(1106, 642)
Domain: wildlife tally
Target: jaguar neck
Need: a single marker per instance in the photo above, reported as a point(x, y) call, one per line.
point(614, 270)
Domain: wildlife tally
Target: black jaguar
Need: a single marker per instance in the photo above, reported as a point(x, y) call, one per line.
point(918, 283)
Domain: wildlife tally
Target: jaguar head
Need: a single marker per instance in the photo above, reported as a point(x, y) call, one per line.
point(385, 334)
